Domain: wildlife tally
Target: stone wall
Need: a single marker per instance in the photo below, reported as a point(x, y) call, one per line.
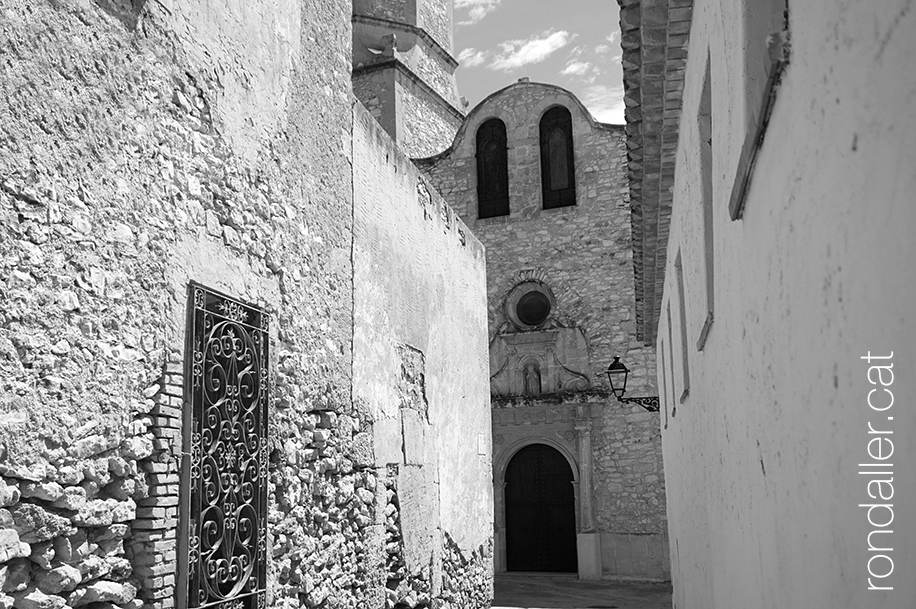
point(401, 11)
point(425, 125)
point(409, 111)
point(583, 254)
point(437, 70)
point(435, 16)
point(143, 149)
point(375, 89)
point(763, 457)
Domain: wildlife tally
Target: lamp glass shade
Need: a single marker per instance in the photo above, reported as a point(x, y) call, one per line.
point(617, 376)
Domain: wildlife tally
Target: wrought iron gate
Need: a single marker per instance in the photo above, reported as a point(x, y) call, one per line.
point(224, 482)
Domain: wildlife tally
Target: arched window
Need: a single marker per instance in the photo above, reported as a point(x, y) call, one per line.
point(558, 172)
point(492, 170)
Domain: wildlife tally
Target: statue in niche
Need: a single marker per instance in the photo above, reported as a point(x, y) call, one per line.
point(532, 379)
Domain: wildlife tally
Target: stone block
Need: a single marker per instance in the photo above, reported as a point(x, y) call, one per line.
point(18, 575)
point(114, 531)
point(103, 591)
point(124, 511)
point(59, 579)
point(122, 488)
point(35, 524)
point(121, 568)
point(46, 491)
point(89, 446)
point(95, 513)
point(418, 439)
point(93, 567)
point(33, 598)
point(9, 494)
point(137, 447)
point(71, 549)
point(10, 545)
point(71, 498)
point(42, 554)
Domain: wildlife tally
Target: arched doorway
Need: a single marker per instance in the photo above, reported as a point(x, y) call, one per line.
point(540, 511)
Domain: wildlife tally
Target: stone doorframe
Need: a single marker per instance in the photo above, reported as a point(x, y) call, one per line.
point(566, 428)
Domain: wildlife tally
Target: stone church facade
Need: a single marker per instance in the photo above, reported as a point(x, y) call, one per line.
point(225, 380)
point(543, 186)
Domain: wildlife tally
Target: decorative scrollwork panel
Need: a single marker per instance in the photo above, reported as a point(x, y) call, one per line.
point(226, 527)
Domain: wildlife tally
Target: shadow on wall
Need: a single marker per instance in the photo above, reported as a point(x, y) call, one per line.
point(125, 11)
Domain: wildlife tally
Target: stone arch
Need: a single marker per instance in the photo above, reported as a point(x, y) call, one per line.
point(502, 460)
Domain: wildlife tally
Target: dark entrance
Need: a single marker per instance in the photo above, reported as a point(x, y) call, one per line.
point(540, 512)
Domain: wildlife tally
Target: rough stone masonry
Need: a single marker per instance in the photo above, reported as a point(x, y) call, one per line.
point(147, 144)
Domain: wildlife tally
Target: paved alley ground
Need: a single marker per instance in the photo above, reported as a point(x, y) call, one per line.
point(560, 591)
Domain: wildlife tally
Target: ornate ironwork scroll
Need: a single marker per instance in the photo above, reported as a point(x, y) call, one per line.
point(226, 518)
point(649, 403)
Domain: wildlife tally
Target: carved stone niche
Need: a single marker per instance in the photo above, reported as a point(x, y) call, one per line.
point(538, 362)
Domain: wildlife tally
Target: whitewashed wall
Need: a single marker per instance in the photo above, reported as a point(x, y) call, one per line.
point(761, 457)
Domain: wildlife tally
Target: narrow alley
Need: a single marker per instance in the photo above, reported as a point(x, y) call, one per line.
point(565, 591)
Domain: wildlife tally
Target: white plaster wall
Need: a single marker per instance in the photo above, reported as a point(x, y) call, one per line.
point(761, 458)
point(420, 281)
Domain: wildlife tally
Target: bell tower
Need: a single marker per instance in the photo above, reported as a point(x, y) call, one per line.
point(404, 72)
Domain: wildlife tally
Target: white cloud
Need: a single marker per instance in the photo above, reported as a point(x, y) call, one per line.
point(517, 53)
point(605, 103)
point(471, 57)
point(602, 48)
point(478, 9)
point(614, 37)
point(576, 68)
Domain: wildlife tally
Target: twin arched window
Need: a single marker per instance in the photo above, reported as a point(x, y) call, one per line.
point(558, 175)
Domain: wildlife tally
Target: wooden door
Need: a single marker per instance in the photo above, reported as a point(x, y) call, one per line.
point(540, 512)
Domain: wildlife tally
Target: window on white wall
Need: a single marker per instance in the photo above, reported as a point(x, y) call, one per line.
point(764, 20)
point(766, 54)
point(682, 309)
point(671, 362)
point(704, 139)
point(661, 361)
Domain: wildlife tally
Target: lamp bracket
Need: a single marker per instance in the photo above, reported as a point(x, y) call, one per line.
point(649, 403)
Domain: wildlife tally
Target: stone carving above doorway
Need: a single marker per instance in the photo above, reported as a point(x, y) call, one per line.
point(533, 353)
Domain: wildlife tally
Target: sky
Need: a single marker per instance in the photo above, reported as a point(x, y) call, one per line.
point(571, 43)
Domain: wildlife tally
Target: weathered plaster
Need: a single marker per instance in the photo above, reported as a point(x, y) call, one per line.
point(419, 305)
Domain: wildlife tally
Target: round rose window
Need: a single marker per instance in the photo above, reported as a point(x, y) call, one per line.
point(533, 308)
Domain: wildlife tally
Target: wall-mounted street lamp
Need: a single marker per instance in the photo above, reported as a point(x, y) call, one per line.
point(617, 377)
